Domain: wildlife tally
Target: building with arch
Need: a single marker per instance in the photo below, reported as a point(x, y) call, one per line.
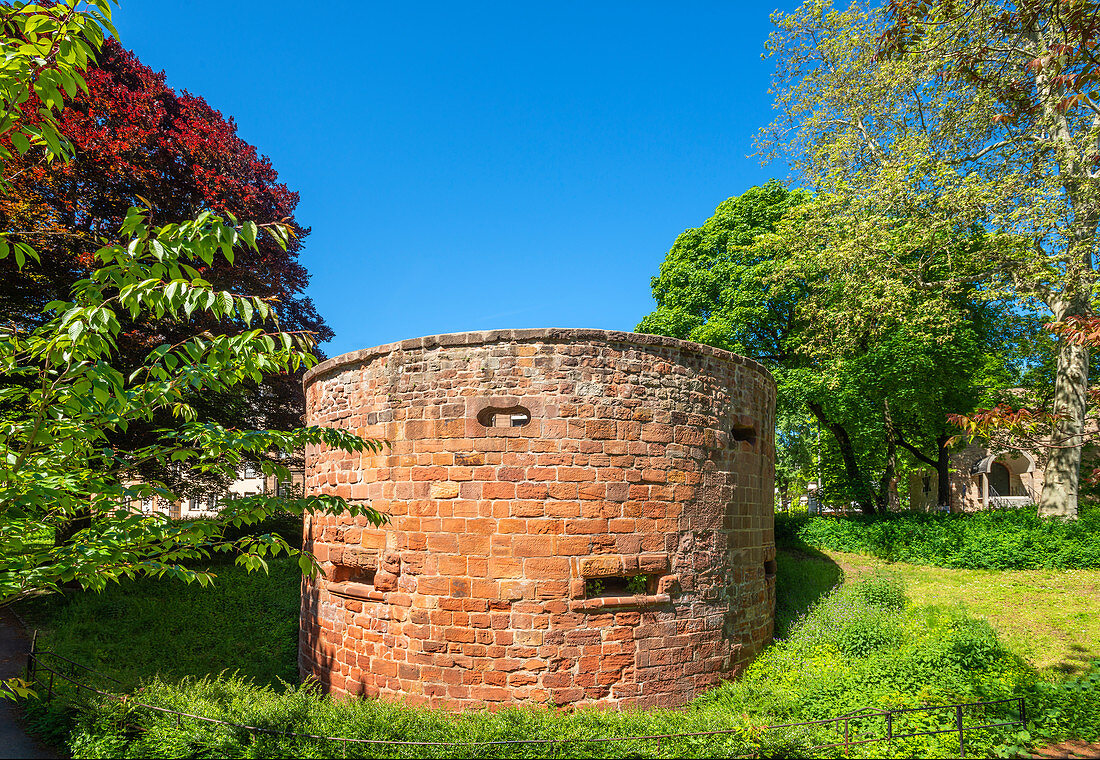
point(982, 478)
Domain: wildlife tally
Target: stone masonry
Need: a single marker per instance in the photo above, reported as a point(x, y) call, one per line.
point(575, 517)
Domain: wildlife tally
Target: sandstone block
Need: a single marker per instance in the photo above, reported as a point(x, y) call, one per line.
point(599, 567)
point(444, 490)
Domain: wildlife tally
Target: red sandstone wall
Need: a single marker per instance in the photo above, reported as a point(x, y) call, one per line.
point(643, 456)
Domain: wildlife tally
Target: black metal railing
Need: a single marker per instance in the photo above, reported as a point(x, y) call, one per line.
point(890, 733)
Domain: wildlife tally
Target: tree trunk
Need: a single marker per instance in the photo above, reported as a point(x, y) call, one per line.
point(887, 489)
point(887, 492)
point(864, 495)
point(1063, 471)
point(943, 473)
point(1075, 166)
point(942, 464)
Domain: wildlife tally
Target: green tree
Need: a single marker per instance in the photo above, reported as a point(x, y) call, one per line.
point(875, 370)
point(949, 115)
point(796, 454)
point(715, 288)
point(64, 394)
point(134, 137)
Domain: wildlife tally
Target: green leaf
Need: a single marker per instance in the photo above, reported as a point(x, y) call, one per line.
point(20, 141)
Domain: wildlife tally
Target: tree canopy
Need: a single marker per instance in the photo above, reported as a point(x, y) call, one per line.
point(876, 371)
point(71, 387)
point(136, 142)
point(971, 115)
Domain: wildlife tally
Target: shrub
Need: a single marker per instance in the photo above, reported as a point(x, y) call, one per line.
point(113, 729)
point(883, 591)
point(994, 540)
point(860, 648)
point(1067, 708)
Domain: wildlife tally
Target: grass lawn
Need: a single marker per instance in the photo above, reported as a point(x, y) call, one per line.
point(1049, 617)
point(836, 651)
point(135, 630)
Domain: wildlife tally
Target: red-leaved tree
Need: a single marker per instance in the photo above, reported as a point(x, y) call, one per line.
point(137, 142)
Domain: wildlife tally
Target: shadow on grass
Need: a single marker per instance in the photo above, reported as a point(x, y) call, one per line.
point(804, 575)
point(1078, 661)
point(137, 629)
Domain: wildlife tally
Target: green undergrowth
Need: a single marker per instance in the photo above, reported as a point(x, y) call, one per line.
point(802, 578)
point(857, 646)
point(134, 630)
point(992, 540)
point(864, 646)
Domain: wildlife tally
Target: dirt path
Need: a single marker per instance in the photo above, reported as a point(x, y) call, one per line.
point(14, 646)
point(1069, 750)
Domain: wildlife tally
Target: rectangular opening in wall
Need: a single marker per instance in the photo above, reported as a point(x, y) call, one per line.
point(620, 585)
point(349, 574)
point(770, 568)
point(497, 417)
point(744, 433)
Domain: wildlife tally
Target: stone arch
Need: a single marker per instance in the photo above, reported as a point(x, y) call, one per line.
point(1005, 473)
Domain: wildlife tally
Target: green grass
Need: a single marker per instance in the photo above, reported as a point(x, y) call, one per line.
point(145, 628)
point(858, 646)
point(1035, 581)
point(1049, 617)
point(847, 639)
point(803, 576)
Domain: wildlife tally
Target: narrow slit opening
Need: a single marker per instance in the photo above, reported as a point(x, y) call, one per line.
point(496, 417)
point(349, 574)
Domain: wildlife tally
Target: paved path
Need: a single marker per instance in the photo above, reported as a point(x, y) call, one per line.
point(14, 646)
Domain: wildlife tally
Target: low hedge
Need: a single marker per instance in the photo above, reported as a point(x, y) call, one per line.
point(993, 540)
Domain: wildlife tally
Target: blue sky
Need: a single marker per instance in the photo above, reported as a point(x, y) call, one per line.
point(484, 165)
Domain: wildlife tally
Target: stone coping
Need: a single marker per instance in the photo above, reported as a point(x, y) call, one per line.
point(601, 603)
point(546, 334)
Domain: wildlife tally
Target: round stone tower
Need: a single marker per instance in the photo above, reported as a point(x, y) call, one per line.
point(575, 516)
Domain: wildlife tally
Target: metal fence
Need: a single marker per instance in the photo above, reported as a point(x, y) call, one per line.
point(856, 728)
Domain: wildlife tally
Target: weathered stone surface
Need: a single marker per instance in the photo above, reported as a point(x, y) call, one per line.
point(522, 462)
point(354, 556)
point(444, 490)
point(599, 567)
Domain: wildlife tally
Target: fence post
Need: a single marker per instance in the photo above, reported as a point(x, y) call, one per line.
point(31, 656)
point(1023, 715)
point(959, 725)
point(890, 731)
point(846, 737)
